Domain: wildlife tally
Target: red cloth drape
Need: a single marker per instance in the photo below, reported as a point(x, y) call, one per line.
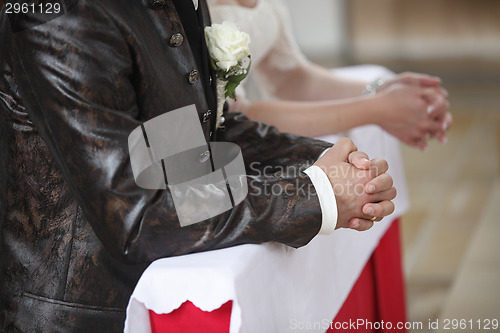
point(188, 318)
point(378, 297)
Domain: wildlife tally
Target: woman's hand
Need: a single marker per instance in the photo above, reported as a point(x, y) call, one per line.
point(415, 108)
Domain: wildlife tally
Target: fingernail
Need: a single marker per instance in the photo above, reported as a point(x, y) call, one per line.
point(369, 211)
point(446, 92)
point(356, 226)
point(364, 159)
point(371, 189)
point(437, 78)
point(430, 109)
point(445, 126)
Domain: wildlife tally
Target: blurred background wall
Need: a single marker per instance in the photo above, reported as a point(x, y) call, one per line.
point(392, 29)
point(450, 234)
point(401, 33)
point(320, 27)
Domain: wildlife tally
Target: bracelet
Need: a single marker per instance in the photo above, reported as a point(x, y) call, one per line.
point(372, 87)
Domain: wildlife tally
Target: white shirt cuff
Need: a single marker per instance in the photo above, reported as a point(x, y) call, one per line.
point(326, 198)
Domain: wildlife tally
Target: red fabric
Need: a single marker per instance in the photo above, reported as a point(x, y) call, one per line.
point(377, 300)
point(190, 319)
point(389, 278)
point(377, 297)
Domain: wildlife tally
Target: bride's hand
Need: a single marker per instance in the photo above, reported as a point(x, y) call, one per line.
point(415, 79)
point(437, 108)
point(413, 111)
point(436, 97)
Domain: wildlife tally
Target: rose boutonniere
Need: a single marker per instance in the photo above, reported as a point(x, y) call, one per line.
point(230, 57)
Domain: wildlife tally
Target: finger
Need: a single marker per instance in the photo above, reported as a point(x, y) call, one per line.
point(341, 150)
point(429, 81)
point(422, 144)
point(440, 126)
point(380, 183)
point(446, 123)
point(360, 160)
point(437, 102)
point(420, 79)
point(420, 140)
point(389, 194)
point(438, 107)
point(379, 167)
point(444, 92)
point(360, 224)
point(417, 143)
point(432, 128)
point(442, 137)
point(448, 120)
point(408, 140)
point(430, 94)
point(437, 132)
point(379, 209)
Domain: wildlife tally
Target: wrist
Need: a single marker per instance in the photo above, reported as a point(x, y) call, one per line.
point(375, 109)
point(373, 87)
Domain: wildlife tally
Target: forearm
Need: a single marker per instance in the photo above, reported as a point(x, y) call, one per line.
point(310, 82)
point(317, 118)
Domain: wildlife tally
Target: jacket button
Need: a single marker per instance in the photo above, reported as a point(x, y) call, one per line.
point(157, 4)
point(176, 40)
point(206, 115)
point(204, 156)
point(193, 76)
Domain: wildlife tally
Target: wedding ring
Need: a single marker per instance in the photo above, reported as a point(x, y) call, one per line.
point(373, 218)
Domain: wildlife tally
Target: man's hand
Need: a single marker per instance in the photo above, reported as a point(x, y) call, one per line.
point(362, 188)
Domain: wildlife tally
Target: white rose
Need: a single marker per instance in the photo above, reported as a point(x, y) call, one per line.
point(226, 44)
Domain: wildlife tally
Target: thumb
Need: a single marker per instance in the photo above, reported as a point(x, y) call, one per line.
point(342, 149)
point(429, 81)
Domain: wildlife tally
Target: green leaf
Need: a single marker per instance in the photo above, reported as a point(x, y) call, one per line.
point(232, 83)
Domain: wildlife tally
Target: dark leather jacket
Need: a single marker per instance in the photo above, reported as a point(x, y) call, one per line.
point(76, 231)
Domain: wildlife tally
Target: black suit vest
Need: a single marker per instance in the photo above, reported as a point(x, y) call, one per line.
point(192, 22)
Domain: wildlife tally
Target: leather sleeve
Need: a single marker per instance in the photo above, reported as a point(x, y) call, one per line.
point(76, 76)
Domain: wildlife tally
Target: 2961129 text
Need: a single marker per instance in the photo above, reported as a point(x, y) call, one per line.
point(26, 8)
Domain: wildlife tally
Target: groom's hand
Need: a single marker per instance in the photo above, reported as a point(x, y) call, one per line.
point(362, 188)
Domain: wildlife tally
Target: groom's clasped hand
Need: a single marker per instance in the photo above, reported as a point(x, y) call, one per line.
point(362, 187)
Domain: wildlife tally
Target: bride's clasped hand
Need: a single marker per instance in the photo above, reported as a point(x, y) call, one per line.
point(414, 108)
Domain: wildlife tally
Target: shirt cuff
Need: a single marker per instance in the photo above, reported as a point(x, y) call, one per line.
point(326, 197)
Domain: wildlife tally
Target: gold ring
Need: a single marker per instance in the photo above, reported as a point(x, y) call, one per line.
point(373, 218)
